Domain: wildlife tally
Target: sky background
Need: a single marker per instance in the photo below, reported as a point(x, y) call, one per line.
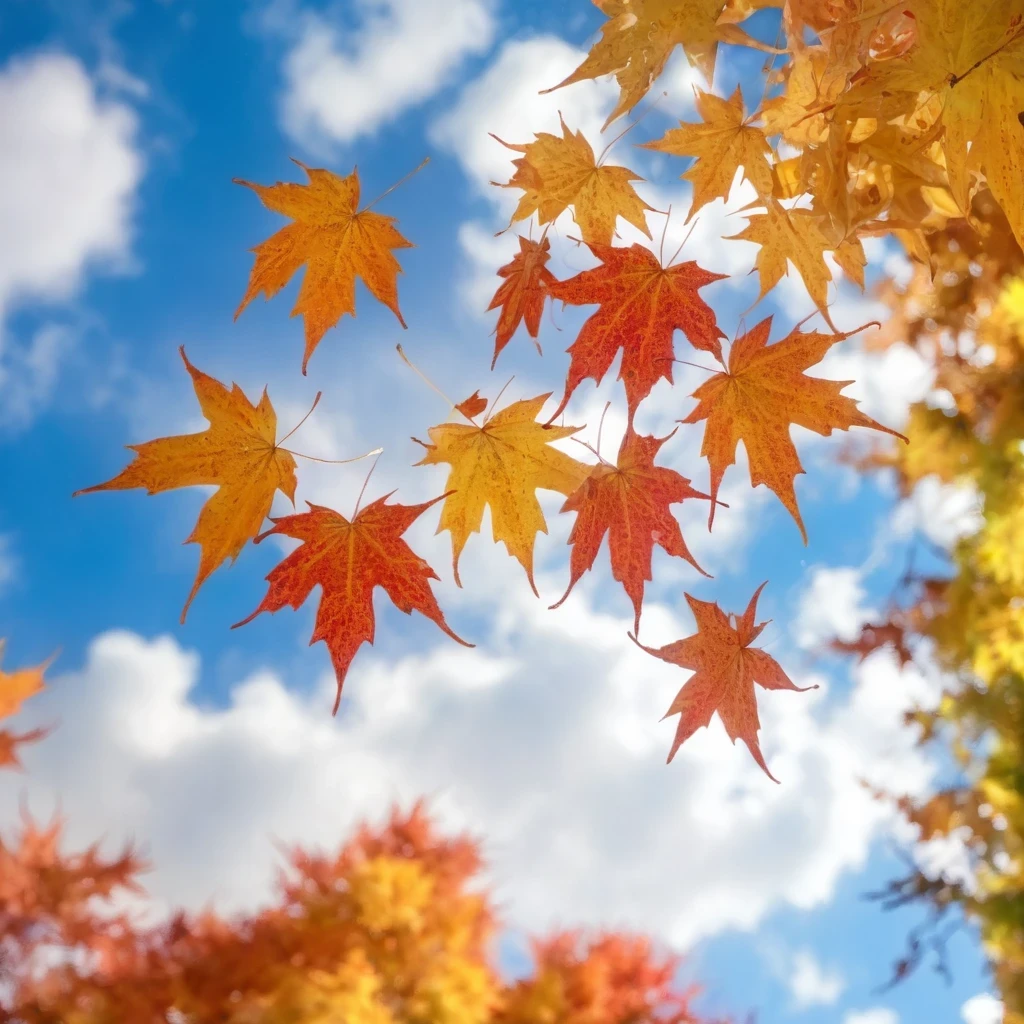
point(122, 237)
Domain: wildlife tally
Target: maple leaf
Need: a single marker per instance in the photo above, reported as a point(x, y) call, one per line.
point(642, 304)
point(968, 58)
point(335, 242)
point(472, 406)
point(237, 453)
point(639, 37)
point(10, 741)
point(723, 144)
point(522, 293)
point(790, 235)
point(558, 172)
point(16, 687)
point(348, 559)
point(501, 464)
point(725, 668)
point(762, 393)
point(630, 502)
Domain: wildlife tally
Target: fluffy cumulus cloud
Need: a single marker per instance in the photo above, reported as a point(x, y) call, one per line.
point(69, 169)
point(812, 984)
point(982, 1009)
point(832, 606)
point(68, 172)
point(347, 77)
point(546, 740)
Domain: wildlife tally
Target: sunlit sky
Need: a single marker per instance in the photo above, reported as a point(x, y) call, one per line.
point(122, 237)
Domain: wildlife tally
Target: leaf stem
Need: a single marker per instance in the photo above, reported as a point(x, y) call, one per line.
point(628, 128)
point(401, 181)
point(430, 384)
point(498, 399)
point(365, 482)
point(331, 462)
point(316, 400)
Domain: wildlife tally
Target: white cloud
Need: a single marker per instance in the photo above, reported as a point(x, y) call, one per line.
point(344, 81)
point(549, 744)
point(878, 1015)
point(811, 984)
point(69, 168)
point(832, 606)
point(982, 1009)
point(68, 173)
point(942, 512)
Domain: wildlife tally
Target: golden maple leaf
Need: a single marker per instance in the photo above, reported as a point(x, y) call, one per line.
point(724, 143)
point(755, 401)
point(501, 464)
point(556, 172)
point(335, 242)
point(639, 37)
point(968, 58)
point(790, 235)
point(238, 454)
point(16, 687)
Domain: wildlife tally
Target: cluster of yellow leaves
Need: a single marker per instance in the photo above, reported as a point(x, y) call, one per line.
point(393, 928)
point(965, 309)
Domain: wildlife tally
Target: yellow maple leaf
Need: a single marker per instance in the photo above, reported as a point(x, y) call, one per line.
point(786, 235)
point(238, 454)
point(724, 143)
point(502, 464)
point(639, 37)
point(335, 242)
point(16, 687)
point(969, 57)
point(556, 172)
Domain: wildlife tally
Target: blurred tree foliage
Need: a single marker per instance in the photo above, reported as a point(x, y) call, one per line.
point(393, 929)
point(964, 308)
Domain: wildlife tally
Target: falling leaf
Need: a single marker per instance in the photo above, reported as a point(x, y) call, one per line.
point(335, 242)
point(725, 668)
point(640, 36)
point(502, 464)
point(348, 559)
point(629, 502)
point(16, 687)
point(790, 235)
point(641, 304)
point(755, 401)
point(11, 741)
point(472, 406)
point(521, 294)
point(723, 144)
point(558, 172)
point(238, 454)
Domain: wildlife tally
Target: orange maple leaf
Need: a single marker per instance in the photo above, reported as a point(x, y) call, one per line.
point(725, 668)
point(348, 559)
point(335, 242)
point(16, 687)
point(642, 304)
point(755, 401)
point(556, 172)
point(639, 37)
point(522, 293)
point(630, 502)
point(238, 453)
point(11, 741)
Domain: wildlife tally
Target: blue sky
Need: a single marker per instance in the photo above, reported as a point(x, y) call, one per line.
point(123, 237)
